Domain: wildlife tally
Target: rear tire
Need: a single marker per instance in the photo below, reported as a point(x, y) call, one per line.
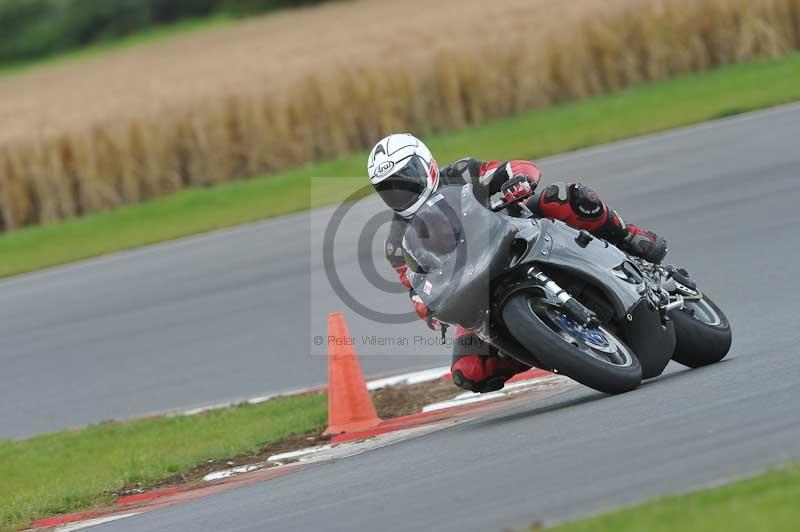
point(703, 333)
point(553, 347)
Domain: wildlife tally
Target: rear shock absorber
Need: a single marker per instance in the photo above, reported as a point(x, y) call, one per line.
point(573, 308)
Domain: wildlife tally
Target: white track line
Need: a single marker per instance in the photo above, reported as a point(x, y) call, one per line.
point(225, 473)
point(414, 377)
point(469, 397)
point(327, 453)
point(298, 453)
point(93, 522)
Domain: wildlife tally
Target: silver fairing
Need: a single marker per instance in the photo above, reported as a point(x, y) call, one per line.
point(598, 262)
point(464, 247)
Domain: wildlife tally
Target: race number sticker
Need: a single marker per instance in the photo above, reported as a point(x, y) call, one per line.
point(427, 287)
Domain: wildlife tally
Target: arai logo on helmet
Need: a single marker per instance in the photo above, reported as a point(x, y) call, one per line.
point(384, 168)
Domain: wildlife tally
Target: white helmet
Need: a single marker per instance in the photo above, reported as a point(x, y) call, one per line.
point(404, 172)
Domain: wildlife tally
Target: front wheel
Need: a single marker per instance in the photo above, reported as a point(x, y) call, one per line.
point(702, 331)
point(592, 356)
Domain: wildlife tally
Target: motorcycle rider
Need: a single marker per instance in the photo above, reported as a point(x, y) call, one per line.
point(405, 174)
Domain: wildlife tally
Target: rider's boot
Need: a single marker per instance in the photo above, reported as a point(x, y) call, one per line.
point(581, 207)
point(644, 244)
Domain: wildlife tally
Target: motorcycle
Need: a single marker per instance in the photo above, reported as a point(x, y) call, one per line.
point(557, 298)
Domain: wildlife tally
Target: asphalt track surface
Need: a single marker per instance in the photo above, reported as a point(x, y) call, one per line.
point(726, 194)
point(232, 314)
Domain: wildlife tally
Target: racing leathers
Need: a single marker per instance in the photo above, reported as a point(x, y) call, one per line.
point(475, 365)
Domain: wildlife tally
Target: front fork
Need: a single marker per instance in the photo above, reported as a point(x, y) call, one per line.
point(573, 308)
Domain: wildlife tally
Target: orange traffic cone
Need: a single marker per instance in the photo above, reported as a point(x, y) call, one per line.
point(350, 406)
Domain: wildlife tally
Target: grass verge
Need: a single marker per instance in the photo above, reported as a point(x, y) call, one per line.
point(76, 469)
point(640, 110)
point(767, 502)
point(71, 470)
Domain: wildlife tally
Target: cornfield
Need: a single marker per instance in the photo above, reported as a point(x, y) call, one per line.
point(290, 88)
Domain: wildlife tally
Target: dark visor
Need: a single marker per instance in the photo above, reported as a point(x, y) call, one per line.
point(401, 190)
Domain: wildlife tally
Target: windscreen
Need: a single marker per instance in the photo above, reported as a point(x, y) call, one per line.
point(434, 232)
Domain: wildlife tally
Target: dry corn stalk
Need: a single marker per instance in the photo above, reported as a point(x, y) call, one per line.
point(342, 92)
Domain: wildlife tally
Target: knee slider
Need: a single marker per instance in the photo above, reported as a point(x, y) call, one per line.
point(585, 202)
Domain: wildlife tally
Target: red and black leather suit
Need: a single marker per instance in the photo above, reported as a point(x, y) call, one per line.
point(477, 366)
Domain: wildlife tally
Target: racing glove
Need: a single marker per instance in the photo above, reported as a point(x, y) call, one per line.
point(424, 314)
point(517, 187)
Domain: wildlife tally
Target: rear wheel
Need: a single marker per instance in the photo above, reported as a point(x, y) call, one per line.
point(702, 331)
point(592, 356)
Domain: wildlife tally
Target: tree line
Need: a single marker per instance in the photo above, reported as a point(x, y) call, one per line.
point(31, 29)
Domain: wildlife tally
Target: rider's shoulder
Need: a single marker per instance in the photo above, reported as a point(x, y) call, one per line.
point(463, 168)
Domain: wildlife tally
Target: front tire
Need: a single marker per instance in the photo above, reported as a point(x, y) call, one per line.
point(703, 333)
point(594, 357)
